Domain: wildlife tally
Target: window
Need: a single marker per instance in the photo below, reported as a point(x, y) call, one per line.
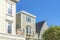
point(28, 19)
point(9, 8)
point(9, 27)
point(33, 32)
point(28, 30)
point(23, 30)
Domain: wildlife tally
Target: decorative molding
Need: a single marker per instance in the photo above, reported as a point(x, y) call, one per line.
point(9, 20)
point(15, 1)
point(24, 12)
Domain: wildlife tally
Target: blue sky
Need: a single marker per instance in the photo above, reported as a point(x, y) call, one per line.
point(48, 10)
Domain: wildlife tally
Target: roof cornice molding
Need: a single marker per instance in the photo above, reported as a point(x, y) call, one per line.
point(24, 12)
point(15, 1)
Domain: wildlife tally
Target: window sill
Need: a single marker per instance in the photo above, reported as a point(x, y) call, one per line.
point(9, 15)
point(28, 34)
point(28, 22)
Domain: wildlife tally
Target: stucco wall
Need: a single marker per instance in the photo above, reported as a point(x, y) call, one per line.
point(21, 21)
point(4, 16)
point(10, 37)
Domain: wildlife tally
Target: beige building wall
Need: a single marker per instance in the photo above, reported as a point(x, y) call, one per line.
point(4, 17)
point(22, 23)
point(10, 37)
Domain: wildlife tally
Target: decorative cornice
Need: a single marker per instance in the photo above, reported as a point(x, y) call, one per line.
point(15, 1)
point(24, 12)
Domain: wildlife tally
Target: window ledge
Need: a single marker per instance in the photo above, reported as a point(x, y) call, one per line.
point(9, 15)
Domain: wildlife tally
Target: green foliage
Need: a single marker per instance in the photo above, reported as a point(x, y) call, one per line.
point(52, 33)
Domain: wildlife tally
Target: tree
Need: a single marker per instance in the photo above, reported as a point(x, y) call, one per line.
point(52, 33)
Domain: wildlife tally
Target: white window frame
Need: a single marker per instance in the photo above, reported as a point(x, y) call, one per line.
point(9, 8)
point(28, 19)
point(28, 30)
point(9, 27)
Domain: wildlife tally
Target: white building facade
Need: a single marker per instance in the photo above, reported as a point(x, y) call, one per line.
point(26, 25)
point(8, 20)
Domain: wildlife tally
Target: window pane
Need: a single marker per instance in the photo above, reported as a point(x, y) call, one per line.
point(28, 19)
point(9, 7)
point(9, 11)
point(28, 30)
point(23, 30)
point(9, 27)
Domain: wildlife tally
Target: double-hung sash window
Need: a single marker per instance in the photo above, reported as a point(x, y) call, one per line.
point(28, 30)
point(9, 27)
point(9, 8)
point(28, 19)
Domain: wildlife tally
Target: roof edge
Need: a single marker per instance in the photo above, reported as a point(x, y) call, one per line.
point(24, 12)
